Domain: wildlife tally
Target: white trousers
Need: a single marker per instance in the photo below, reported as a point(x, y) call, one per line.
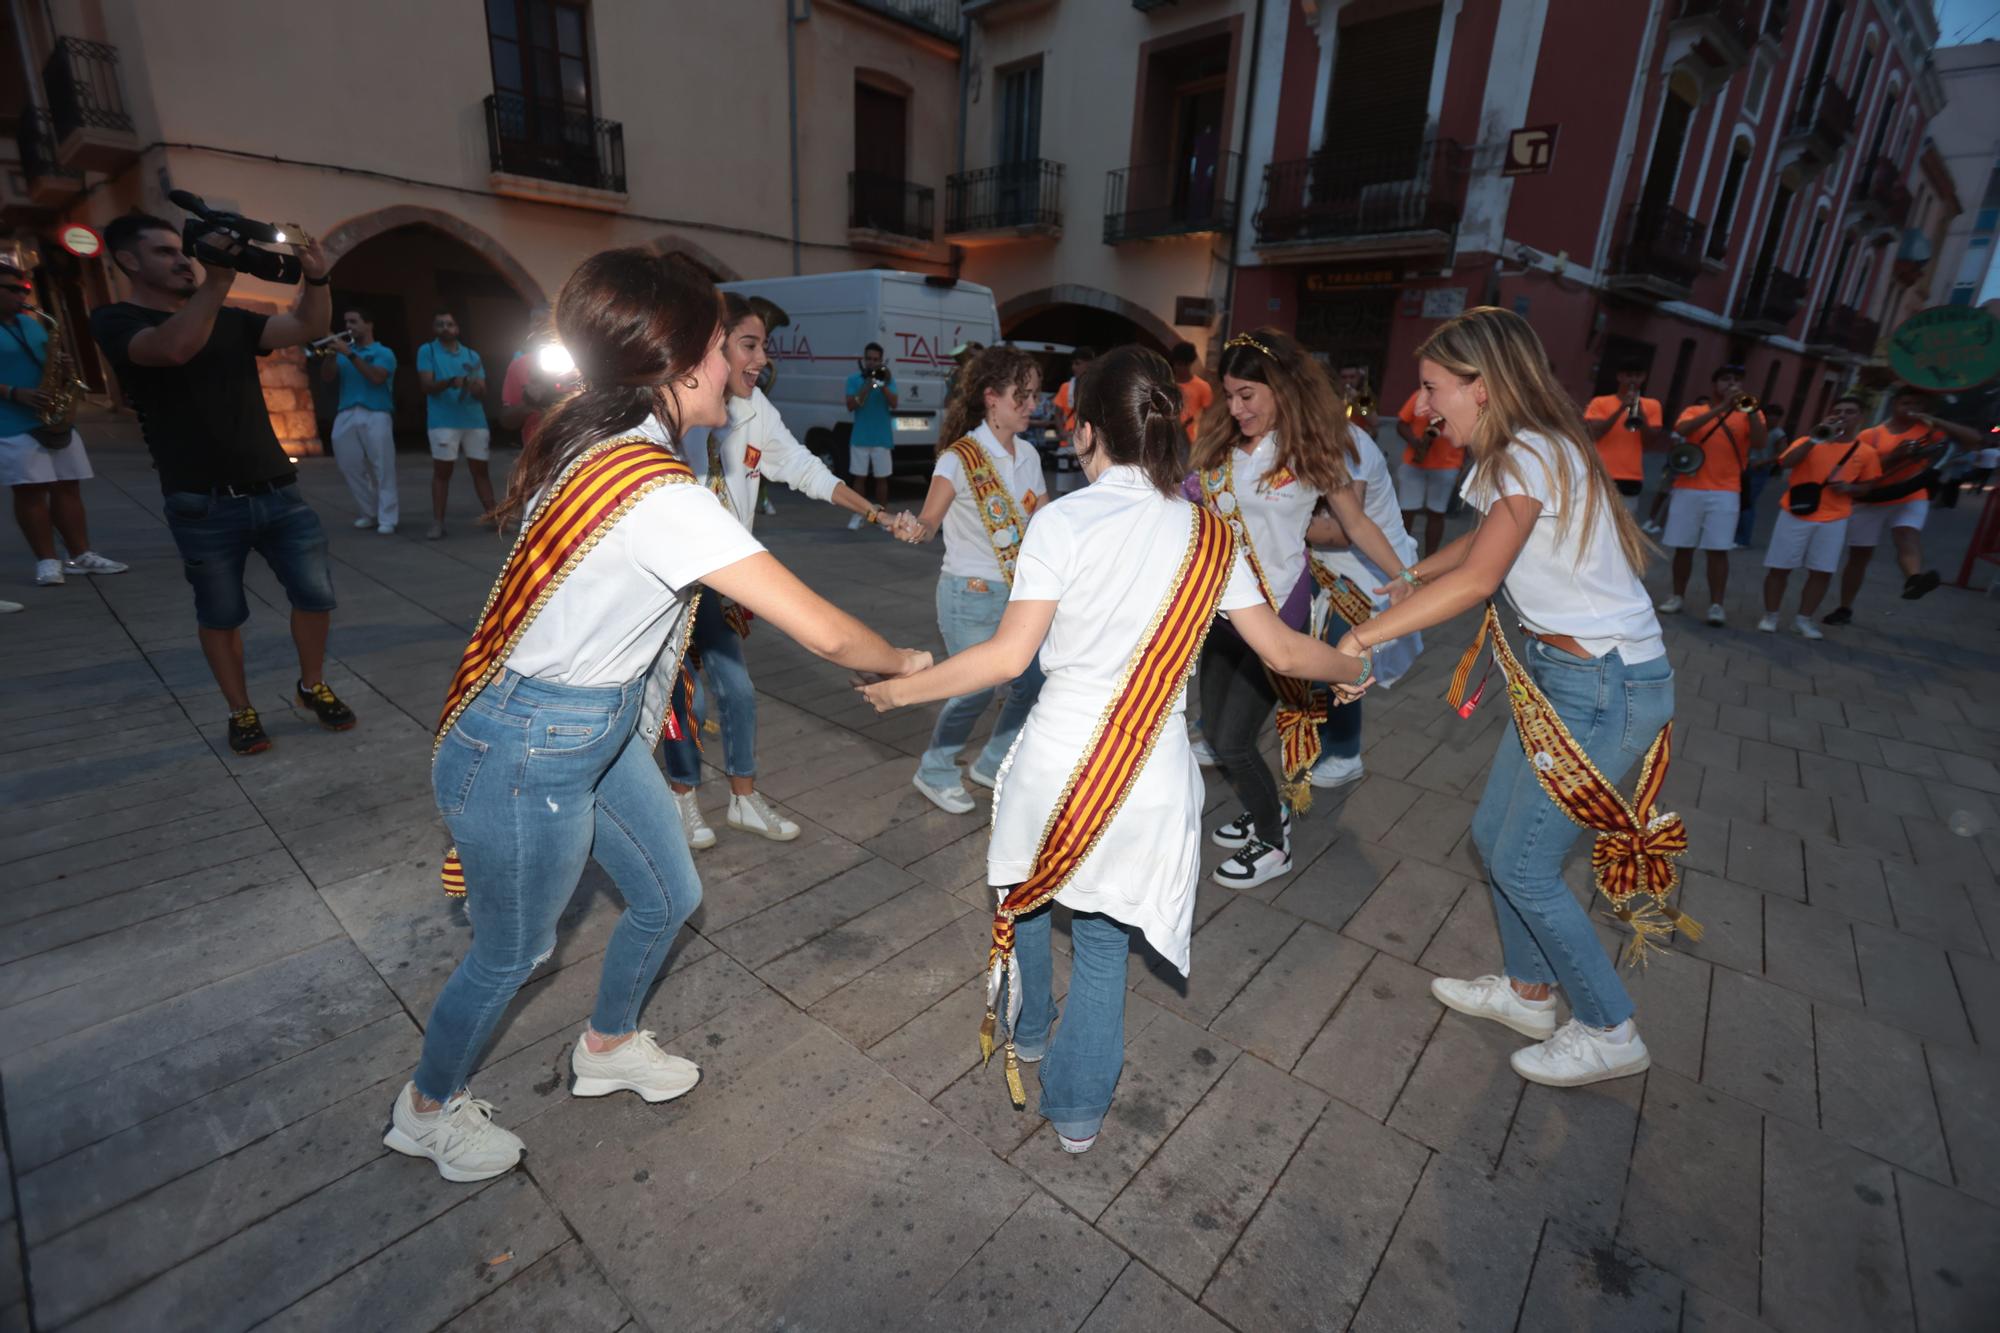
point(364, 445)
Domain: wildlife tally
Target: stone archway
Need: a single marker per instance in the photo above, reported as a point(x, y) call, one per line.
point(670, 243)
point(353, 232)
point(1018, 308)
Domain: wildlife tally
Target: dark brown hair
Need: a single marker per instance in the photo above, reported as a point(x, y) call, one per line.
point(634, 321)
point(1132, 405)
point(1313, 438)
point(997, 368)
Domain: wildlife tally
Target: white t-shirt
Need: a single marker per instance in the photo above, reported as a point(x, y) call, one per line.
point(1274, 516)
point(1379, 503)
point(1557, 584)
point(968, 551)
point(1108, 555)
point(610, 619)
point(755, 424)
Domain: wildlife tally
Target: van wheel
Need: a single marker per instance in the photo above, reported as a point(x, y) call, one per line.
point(821, 442)
point(841, 455)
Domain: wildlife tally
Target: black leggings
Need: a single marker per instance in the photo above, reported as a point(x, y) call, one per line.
point(1236, 702)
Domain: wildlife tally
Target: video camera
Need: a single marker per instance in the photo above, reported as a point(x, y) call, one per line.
point(875, 375)
point(204, 224)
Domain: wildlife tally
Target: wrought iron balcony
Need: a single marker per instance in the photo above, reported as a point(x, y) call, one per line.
point(1844, 328)
point(551, 143)
point(1014, 199)
point(1661, 256)
point(1170, 199)
point(1880, 195)
point(1370, 201)
point(49, 182)
point(1821, 123)
point(1771, 306)
point(890, 206)
point(91, 127)
point(1723, 31)
point(938, 18)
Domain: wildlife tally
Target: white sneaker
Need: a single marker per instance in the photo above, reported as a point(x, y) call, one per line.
point(1254, 863)
point(754, 814)
point(854, 523)
point(1204, 753)
point(1672, 604)
point(1494, 998)
point(1071, 1145)
point(1334, 771)
point(1241, 829)
point(48, 573)
point(364, 523)
point(769, 510)
point(1577, 1055)
point(461, 1138)
point(435, 532)
point(1768, 622)
point(1806, 629)
point(638, 1065)
point(90, 562)
point(699, 835)
point(386, 529)
point(1651, 529)
point(952, 800)
point(1715, 616)
point(9, 608)
point(978, 779)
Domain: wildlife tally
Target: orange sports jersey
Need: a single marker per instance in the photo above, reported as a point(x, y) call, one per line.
point(1444, 455)
point(1066, 409)
point(1885, 442)
point(1725, 444)
point(1196, 396)
point(1823, 465)
point(1621, 446)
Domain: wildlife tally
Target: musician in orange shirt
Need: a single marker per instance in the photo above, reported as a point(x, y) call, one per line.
point(1623, 426)
point(1828, 469)
point(1705, 503)
point(1432, 461)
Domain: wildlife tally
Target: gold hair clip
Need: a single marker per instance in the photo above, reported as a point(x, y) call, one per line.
point(1245, 340)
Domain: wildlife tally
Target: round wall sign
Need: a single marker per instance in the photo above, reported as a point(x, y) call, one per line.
point(1946, 348)
point(81, 241)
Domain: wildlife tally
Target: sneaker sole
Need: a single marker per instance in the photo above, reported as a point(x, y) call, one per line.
point(940, 803)
point(1640, 1066)
point(1328, 784)
point(250, 749)
point(1261, 877)
point(976, 780)
point(778, 835)
point(325, 725)
point(398, 1141)
point(702, 841)
point(1539, 1034)
point(1227, 841)
point(579, 1086)
point(1076, 1147)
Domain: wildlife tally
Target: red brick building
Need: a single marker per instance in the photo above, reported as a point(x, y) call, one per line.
point(1700, 181)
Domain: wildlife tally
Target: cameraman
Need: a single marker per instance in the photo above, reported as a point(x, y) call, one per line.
point(454, 382)
point(871, 397)
point(188, 363)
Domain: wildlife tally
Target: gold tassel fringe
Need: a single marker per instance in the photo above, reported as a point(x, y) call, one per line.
point(1690, 929)
point(1297, 793)
point(1015, 1091)
point(986, 1029)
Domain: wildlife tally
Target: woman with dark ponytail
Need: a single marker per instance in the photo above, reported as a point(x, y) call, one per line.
point(544, 754)
point(1099, 805)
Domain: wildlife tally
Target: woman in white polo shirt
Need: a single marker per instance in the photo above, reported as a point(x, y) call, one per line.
point(1101, 571)
point(733, 460)
point(1556, 537)
point(986, 486)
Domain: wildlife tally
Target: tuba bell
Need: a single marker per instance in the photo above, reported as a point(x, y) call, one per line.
point(60, 385)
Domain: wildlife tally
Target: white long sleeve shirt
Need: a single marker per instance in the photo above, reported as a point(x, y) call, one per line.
point(755, 445)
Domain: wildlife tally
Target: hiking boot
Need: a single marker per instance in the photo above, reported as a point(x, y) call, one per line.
point(246, 733)
point(331, 712)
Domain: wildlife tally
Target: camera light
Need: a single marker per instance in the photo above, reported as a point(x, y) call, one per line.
point(554, 360)
point(278, 237)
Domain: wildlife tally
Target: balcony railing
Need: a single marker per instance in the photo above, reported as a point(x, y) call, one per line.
point(890, 205)
point(555, 144)
point(939, 18)
point(1845, 327)
point(49, 182)
point(1343, 195)
point(1881, 193)
point(1014, 196)
point(1183, 198)
point(1826, 118)
point(1732, 23)
point(1662, 252)
point(84, 91)
point(1775, 303)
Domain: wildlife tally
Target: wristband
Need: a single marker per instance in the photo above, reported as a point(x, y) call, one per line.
point(875, 516)
point(1411, 577)
point(320, 281)
point(1367, 656)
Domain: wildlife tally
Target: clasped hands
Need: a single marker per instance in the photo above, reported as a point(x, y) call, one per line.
point(880, 690)
point(906, 527)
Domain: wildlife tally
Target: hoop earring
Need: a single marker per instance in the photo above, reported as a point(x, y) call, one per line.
point(690, 383)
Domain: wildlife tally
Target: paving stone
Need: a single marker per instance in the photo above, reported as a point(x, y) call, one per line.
point(1967, 1085)
point(1760, 1046)
point(1332, 888)
point(1942, 854)
point(1692, 1203)
point(1767, 859)
point(1979, 987)
point(1876, 832)
point(1583, 1281)
point(67, 925)
point(1366, 1051)
point(1709, 747)
point(1814, 1190)
point(1799, 734)
point(1462, 1094)
point(797, 868)
point(1571, 1148)
point(900, 988)
point(1951, 1241)
point(1140, 1302)
point(1932, 909)
point(1874, 1090)
point(1799, 810)
point(1811, 950)
point(1186, 1208)
point(829, 961)
point(1374, 806)
point(936, 1048)
point(1839, 778)
point(563, 1289)
point(1284, 1006)
point(1909, 983)
point(1306, 1259)
point(1732, 794)
point(1854, 746)
point(1225, 953)
point(1467, 944)
point(1044, 1268)
point(1460, 1258)
point(1670, 993)
point(1402, 915)
point(1847, 882)
point(1920, 760)
point(1732, 920)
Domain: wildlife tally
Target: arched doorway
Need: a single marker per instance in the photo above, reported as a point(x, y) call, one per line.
point(1079, 315)
point(403, 270)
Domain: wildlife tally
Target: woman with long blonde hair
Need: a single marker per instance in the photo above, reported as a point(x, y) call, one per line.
point(1269, 457)
point(1568, 553)
point(986, 486)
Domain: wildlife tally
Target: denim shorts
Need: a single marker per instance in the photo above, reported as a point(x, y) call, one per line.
point(217, 533)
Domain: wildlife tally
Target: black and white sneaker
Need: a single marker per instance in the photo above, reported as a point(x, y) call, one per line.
point(1243, 828)
point(1255, 863)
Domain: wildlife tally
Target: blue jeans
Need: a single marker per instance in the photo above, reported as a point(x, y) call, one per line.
point(728, 680)
point(1340, 734)
point(534, 780)
point(1746, 521)
point(217, 533)
point(1614, 712)
point(966, 618)
point(1080, 1070)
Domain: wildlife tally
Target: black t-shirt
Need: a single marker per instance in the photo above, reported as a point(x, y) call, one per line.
point(205, 422)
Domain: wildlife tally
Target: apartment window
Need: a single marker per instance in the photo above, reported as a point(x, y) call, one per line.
point(1676, 111)
point(1759, 84)
point(1822, 53)
point(1021, 114)
point(1379, 102)
point(1725, 203)
point(541, 64)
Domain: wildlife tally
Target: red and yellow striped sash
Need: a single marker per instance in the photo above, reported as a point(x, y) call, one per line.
point(1633, 856)
point(1117, 750)
point(591, 495)
point(1349, 602)
point(999, 512)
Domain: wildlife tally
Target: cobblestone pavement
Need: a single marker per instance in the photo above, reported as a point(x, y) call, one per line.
point(213, 974)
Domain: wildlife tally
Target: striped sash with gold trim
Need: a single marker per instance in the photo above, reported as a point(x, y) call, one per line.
point(1112, 760)
point(1004, 518)
point(592, 493)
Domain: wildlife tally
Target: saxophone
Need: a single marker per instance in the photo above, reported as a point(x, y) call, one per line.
point(61, 385)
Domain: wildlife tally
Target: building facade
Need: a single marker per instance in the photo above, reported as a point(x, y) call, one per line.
point(1676, 184)
point(1967, 139)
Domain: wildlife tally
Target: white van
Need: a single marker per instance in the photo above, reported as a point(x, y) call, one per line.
point(917, 319)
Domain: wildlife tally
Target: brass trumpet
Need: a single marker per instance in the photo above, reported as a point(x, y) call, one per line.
point(331, 345)
point(1361, 405)
point(1745, 402)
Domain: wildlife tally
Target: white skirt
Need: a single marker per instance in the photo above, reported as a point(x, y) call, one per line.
point(26, 461)
point(1145, 867)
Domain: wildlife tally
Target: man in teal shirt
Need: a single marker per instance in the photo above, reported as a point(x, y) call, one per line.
point(454, 381)
point(871, 397)
point(364, 440)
